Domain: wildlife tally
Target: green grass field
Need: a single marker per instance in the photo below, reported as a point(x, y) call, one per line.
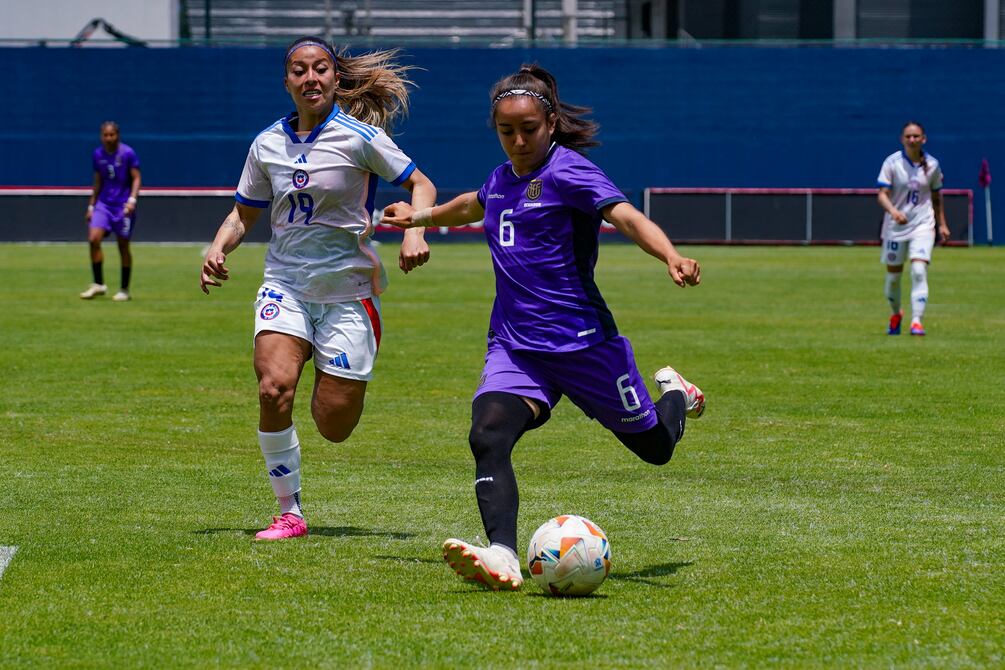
point(839, 505)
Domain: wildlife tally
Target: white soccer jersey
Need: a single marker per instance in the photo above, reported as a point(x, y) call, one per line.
point(911, 188)
point(321, 188)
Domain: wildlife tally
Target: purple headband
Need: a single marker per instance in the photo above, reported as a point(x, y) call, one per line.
point(311, 43)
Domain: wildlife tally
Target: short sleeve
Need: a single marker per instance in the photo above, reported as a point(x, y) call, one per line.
point(255, 188)
point(585, 187)
point(935, 180)
point(383, 157)
point(134, 159)
point(885, 178)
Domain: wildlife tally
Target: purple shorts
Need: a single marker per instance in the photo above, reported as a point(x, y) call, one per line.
point(111, 219)
point(602, 380)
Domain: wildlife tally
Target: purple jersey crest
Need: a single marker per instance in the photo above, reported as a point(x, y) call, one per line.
point(543, 231)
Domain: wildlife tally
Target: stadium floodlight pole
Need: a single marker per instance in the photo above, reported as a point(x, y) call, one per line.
point(570, 28)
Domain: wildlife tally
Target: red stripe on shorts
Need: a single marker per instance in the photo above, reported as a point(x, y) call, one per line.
point(371, 311)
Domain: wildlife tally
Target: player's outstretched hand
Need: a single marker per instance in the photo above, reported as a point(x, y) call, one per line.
point(398, 214)
point(684, 271)
point(213, 270)
point(900, 218)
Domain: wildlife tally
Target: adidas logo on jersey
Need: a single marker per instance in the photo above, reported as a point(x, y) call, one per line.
point(340, 361)
point(302, 159)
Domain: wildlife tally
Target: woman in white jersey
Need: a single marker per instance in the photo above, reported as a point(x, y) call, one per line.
point(318, 169)
point(909, 184)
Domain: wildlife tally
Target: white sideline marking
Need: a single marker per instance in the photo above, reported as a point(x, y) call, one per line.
point(6, 554)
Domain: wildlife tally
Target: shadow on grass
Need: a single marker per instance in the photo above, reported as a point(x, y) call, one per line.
point(324, 531)
point(645, 575)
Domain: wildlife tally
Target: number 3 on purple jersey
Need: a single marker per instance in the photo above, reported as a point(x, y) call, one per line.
point(629, 398)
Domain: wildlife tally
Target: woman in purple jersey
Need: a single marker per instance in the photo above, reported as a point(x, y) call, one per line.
point(112, 207)
point(551, 333)
point(318, 169)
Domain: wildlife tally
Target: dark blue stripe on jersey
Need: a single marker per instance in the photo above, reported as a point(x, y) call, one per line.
point(261, 204)
point(883, 184)
point(353, 122)
point(610, 201)
point(288, 129)
point(321, 126)
point(356, 124)
point(371, 194)
point(585, 243)
point(405, 174)
point(365, 134)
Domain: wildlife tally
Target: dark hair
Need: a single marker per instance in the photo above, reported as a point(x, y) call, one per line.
point(924, 158)
point(106, 124)
point(572, 129)
point(372, 87)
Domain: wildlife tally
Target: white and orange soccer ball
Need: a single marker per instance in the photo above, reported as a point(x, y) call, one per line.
point(569, 556)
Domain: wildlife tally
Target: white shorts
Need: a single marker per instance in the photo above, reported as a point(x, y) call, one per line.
point(918, 247)
point(345, 335)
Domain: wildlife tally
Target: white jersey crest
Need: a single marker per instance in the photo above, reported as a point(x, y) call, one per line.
point(911, 187)
point(321, 189)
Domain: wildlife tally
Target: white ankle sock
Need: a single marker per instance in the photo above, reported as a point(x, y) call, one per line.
point(282, 462)
point(893, 290)
point(919, 290)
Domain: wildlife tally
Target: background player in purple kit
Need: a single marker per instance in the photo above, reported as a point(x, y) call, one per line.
point(112, 207)
point(551, 333)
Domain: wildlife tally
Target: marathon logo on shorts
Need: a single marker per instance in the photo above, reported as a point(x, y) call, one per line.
point(637, 417)
point(269, 312)
point(340, 361)
point(300, 178)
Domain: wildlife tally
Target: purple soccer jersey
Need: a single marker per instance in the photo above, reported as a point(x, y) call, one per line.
point(114, 170)
point(543, 231)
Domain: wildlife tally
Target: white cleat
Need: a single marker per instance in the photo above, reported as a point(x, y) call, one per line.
point(121, 296)
point(93, 291)
point(492, 567)
point(669, 379)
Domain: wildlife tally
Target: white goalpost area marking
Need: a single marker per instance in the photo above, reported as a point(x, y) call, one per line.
point(6, 554)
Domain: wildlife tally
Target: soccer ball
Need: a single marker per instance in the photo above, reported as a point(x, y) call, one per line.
point(569, 556)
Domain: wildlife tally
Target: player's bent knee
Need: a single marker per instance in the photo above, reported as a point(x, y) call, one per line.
point(272, 392)
point(334, 432)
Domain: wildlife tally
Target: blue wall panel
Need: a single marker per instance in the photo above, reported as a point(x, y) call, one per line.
point(739, 117)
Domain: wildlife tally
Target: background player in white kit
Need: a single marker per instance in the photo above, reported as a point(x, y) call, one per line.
point(909, 184)
point(318, 169)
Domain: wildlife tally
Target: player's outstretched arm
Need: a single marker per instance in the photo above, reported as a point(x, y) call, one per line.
point(634, 225)
point(414, 248)
point(460, 211)
point(228, 237)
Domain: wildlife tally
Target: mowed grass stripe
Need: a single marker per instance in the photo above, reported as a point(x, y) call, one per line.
point(838, 505)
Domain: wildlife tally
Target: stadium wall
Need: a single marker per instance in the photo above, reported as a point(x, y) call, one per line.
point(809, 117)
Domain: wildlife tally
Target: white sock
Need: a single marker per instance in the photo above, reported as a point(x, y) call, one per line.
point(893, 290)
point(919, 290)
point(514, 561)
point(282, 463)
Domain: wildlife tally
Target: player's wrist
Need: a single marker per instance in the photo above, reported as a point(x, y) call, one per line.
point(423, 217)
point(90, 209)
point(131, 201)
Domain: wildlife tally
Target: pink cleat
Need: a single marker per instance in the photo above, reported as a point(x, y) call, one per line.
point(287, 525)
point(917, 328)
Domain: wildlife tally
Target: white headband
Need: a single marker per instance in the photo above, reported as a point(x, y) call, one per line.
point(523, 91)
